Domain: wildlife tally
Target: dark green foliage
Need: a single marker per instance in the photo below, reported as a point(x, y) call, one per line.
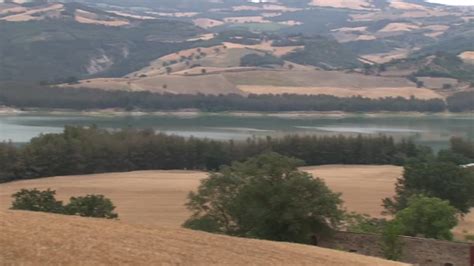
point(91, 150)
point(392, 245)
point(36, 200)
point(91, 206)
point(27, 95)
point(461, 102)
point(96, 206)
point(52, 50)
point(260, 60)
point(447, 65)
point(463, 147)
point(325, 53)
point(265, 197)
point(362, 223)
point(9, 157)
point(428, 217)
point(433, 178)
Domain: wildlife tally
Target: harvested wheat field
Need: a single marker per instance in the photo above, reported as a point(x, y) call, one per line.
point(146, 197)
point(364, 186)
point(157, 198)
point(45, 239)
point(374, 93)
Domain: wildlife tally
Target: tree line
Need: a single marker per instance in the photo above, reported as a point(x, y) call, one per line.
point(37, 96)
point(92, 150)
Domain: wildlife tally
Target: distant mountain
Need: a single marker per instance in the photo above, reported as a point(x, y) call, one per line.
point(62, 41)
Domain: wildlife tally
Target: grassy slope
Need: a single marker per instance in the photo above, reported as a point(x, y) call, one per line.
point(45, 239)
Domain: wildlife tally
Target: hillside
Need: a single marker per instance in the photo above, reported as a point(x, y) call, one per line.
point(46, 239)
point(157, 198)
point(204, 47)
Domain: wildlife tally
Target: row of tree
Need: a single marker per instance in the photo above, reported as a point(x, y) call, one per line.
point(91, 150)
point(36, 96)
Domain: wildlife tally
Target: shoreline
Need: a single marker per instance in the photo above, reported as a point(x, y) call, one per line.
point(189, 113)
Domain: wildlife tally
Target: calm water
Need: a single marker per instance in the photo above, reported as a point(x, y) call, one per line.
point(432, 130)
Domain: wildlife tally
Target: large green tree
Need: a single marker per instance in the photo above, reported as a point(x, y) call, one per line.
point(265, 197)
point(444, 180)
point(428, 217)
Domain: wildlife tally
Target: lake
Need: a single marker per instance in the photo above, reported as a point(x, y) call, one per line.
point(432, 130)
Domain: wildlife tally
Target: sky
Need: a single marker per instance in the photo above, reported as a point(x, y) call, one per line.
point(453, 2)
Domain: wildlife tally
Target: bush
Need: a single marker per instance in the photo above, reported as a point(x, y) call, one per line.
point(36, 200)
point(96, 206)
point(392, 246)
point(91, 206)
point(265, 197)
point(428, 217)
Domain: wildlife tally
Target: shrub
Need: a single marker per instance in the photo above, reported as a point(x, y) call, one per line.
point(44, 201)
point(91, 206)
point(36, 200)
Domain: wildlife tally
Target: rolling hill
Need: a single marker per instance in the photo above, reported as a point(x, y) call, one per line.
point(46, 239)
point(157, 198)
point(201, 46)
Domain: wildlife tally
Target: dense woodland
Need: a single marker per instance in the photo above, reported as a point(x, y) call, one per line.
point(36, 96)
point(92, 150)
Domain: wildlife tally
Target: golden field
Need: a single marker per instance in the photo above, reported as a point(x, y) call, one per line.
point(157, 198)
point(30, 238)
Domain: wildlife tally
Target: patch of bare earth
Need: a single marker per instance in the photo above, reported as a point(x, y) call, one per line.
point(86, 17)
point(350, 4)
point(29, 14)
point(467, 57)
point(29, 238)
point(207, 22)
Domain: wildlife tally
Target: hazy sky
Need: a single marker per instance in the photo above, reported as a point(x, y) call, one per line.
point(453, 2)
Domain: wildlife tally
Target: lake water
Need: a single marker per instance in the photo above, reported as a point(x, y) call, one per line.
point(431, 130)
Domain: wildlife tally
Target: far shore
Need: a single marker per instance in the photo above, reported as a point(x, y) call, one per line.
point(9, 111)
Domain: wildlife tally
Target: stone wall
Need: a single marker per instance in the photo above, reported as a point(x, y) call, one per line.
point(418, 251)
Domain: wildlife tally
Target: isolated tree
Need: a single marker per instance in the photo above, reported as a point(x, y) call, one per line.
point(36, 200)
point(96, 206)
point(265, 197)
point(428, 217)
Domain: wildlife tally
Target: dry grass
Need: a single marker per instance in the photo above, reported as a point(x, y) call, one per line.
point(375, 93)
point(394, 27)
point(207, 22)
point(29, 14)
point(45, 239)
point(86, 17)
point(351, 4)
point(381, 58)
point(157, 197)
point(363, 187)
point(398, 4)
point(179, 84)
point(144, 197)
point(467, 57)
